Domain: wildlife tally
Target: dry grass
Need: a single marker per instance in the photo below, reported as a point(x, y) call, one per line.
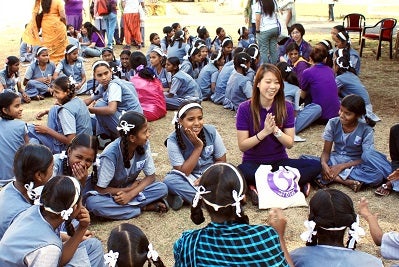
point(380, 78)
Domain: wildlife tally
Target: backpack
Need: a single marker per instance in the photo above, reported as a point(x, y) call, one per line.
point(103, 7)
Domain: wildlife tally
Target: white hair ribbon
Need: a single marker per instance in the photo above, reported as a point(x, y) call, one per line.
point(67, 212)
point(97, 162)
point(198, 195)
point(72, 80)
point(256, 52)
point(111, 258)
point(70, 50)
point(152, 254)
point(63, 155)
point(98, 63)
point(237, 198)
point(288, 69)
point(183, 110)
point(356, 232)
point(307, 235)
point(30, 191)
point(340, 63)
point(125, 126)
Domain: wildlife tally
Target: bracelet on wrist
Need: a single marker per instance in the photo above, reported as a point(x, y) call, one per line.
point(278, 133)
point(257, 137)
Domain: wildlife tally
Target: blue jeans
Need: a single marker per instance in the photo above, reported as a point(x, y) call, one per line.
point(331, 12)
point(110, 22)
point(267, 41)
point(307, 116)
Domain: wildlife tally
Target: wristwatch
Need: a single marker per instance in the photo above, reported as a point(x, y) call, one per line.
point(278, 133)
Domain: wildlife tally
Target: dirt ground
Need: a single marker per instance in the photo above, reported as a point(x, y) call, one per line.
point(379, 77)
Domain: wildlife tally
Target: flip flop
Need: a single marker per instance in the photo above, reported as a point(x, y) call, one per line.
point(382, 190)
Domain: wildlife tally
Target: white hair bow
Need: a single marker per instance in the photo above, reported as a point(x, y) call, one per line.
point(152, 254)
point(236, 203)
point(72, 80)
point(355, 232)
point(29, 191)
point(198, 195)
point(66, 213)
point(307, 235)
point(63, 155)
point(125, 126)
point(111, 258)
point(98, 161)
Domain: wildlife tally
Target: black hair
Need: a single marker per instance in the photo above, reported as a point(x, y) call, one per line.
point(220, 179)
point(163, 57)
point(178, 129)
point(90, 29)
point(318, 54)
point(132, 245)
point(218, 31)
point(287, 73)
point(267, 6)
point(355, 104)
point(291, 46)
point(58, 194)
point(175, 25)
point(6, 100)
point(241, 31)
point(214, 56)
point(339, 28)
point(227, 41)
point(101, 64)
point(253, 52)
point(297, 26)
point(75, 33)
point(330, 208)
point(81, 140)
point(152, 36)
point(46, 4)
point(198, 42)
point(65, 85)
point(11, 60)
point(131, 118)
point(108, 49)
point(167, 29)
point(67, 48)
point(202, 31)
point(192, 52)
point(30, 159)
point(343, 36)
point(327, 44)
point(138, 62)
point(239, 49)
point(240, 61)
point(175, 61)
point(344, 65)
point(178, 37)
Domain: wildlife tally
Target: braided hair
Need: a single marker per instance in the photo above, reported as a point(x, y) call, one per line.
point(132, 245)
point(178, 130)
point(6, 100)
point(65, 85)
point(11, 60)
point(240, 62)
point(138, 62)
point(129, 124)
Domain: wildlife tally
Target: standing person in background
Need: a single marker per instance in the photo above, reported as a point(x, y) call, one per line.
point(131, 20)
point(73, 11)
point(267, 30)
point(331, 4)
point(287, 9)
point(249, 16)
point(111, 22)
point(52, 27)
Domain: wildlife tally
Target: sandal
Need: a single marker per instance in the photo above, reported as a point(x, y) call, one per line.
point(355, 186)
point(383, 190)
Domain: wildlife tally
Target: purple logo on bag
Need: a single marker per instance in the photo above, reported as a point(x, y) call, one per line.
point(283, 183)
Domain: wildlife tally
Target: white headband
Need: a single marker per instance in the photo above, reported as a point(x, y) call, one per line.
point(98, 63)
point(219, 55)
point(325, 43)
point(340, 64)
point(340, 34)
point(225, 40)
point(240, 31)
point(66, 213)
point(193, 50)
point(256, 52)
point(183, 110)
point(41, 49)
point(158, 51)
point(70, 50)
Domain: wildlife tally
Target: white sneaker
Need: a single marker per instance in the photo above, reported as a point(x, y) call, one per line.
point(297, 138)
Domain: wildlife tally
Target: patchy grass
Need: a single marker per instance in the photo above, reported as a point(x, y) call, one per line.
point(380, 78)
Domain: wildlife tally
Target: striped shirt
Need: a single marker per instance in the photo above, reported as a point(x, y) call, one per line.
point(229, 244)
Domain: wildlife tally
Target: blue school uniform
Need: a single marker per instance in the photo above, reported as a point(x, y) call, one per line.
point(221, 82)
point(206, 77)
point(11, 140)
point(356, 145)
point(112, 173)
point(355, 59)
point(180, 184)
point(238, 90)
point(72, 117)
point(349, 83)
point(175, 51)
point(76, 71)
point(12, 203)
point(150, 48)
point(164, 76)
point(183, 88)
point(187, 67)
point(246, 42)
point(31, 232)
point(10, 83)
point(33, 87)
point(124, 93)
point(292, 94)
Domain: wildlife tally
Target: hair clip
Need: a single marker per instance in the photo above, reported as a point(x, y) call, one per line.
point(307, 235)
point(125, 126)
point(111, 258)
point(139, 67)
point(355, 232)
point(152, 254)
point(237, 204)
point(198, 195)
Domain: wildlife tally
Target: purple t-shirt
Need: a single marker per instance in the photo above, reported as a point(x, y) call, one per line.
point(270, 149)
point(319, 82)
point(95, 38)
point(73, 7)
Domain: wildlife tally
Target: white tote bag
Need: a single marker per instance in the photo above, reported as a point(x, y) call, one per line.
point(278, 189)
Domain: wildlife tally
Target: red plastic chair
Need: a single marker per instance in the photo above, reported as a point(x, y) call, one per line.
point(354, 22)
point(382, 31)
